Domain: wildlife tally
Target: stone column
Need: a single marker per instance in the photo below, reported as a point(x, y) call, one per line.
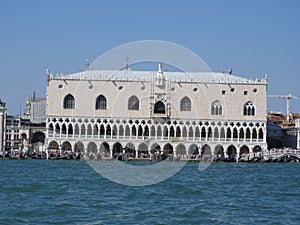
point(298, 136)
point(111, 152)
point(2, 124)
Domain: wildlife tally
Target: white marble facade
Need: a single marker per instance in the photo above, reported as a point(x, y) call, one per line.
point(103, 113)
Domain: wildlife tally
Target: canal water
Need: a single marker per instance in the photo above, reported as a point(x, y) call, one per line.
point(71, 192)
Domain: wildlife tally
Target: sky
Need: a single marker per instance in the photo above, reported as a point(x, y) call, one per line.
point(253, 38)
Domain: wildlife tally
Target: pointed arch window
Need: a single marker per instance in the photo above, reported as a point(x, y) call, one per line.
point(216, 108)
point(159, 107)
point(101, 102)
point(249, 109)
point(185, 104)
point(133, 103)
point(69, 102)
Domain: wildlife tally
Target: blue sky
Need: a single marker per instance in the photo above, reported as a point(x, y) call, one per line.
point(252, 37)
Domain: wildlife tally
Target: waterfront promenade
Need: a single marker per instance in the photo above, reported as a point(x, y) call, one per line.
point(272, 155)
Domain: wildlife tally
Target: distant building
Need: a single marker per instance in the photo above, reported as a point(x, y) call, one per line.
point(283, 130)
point(17, 134)
point(26, 132)
point(104, 113)
point(275, 136)
point(292, 135)
point(36, 113)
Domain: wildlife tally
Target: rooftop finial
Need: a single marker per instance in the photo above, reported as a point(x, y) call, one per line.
point(127, 60)
point(160, 67)
point(87, 64)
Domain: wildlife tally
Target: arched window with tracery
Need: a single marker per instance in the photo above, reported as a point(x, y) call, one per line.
point(185, 104)
point(249, 109)
point(69, 102)
point(101, 102)
point(216, 108)
point(133, 103)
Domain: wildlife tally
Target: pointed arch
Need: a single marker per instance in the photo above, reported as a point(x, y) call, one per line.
point(51, 129)
point(104, 150)
point(191, 133)
point(249, 109)
point(178, 131)
point(69, 102)
point(165, 131)
point(216, 108)
point(117, 150)
point(70, 129)
point(193, 151)
point(114, 130)
point(159, 131)
point(180, 151)
point(57, 128)
point(209, 132)
point(235, 133)
point(172, 131)
point(108, 130)
point(219, 152)
point(133, 103)
point(102, 130)
point(168, 149)
point(76, 131)
point(184, 132)
point(140, 131)
point(133, 131)
point(127, 131)
point(231, 152)
point(197, 132)
point(66, 146)
point(64, 129)
point(101, 102)
point(254, 134)
point(53, 145)
point(222, 133)
point(146, 131)
point(206, 152)
point(152, 131)
point(89, 129)
point(95, 130)
point(248, 133)
point(78, 147)
point(130, 149)
point(216, 133)
point(244, 151)
point(203, 133)
point(260, 134)
point(82, 129)
point(242, 133)
point(185, 104)
point(228, 133)
point(121, 131)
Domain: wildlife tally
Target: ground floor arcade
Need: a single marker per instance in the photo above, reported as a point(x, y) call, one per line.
point(151, 149)
point(146, 138)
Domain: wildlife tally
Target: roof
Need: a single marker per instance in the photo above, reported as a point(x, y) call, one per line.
point(129, 75)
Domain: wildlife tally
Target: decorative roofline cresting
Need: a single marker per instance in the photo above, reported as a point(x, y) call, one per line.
point(188, 77)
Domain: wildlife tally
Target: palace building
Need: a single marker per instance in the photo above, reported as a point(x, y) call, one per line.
point(104, 113)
